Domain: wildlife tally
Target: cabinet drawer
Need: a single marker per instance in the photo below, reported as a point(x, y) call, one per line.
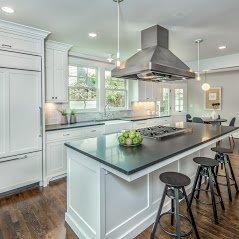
point(81, 133)
point(20, 61)
point(20, 170)
point(13, 42)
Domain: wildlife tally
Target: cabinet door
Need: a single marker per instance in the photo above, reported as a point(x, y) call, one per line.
point(4, 116)
point(50, 75)
point(149, 90)
point(56, 159)
point(19, 171)
point(142, 90)
point(60, 76)
point(24, 111)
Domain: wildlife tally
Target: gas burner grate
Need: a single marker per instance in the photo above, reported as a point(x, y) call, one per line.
point(159, 132)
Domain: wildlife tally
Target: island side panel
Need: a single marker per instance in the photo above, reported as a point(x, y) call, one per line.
point(84, 204)
point(131, 206)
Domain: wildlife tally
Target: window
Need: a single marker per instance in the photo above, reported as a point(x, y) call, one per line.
point(178, 100)
point(165, 106)
point(82, 87)
point(115, 91)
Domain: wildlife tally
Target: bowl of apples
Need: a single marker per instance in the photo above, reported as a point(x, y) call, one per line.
point(130, 138)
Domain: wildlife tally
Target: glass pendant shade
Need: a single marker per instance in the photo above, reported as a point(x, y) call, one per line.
point(205, 87)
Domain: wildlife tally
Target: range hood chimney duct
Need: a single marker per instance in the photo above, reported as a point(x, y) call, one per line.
point(154, 36)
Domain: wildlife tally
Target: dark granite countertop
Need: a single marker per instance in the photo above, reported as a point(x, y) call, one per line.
point(72, 126)
point(138, 118)
point(106, 150)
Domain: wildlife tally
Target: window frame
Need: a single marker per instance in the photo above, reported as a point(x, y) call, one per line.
point(126, 90)
point(180, 98)
point(96, 109)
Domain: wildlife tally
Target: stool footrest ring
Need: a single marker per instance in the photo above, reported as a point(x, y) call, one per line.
point(224, 184)
point(171, 233)
point(204, 202)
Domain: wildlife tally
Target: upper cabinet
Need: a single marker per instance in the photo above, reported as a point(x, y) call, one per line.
point(145, 90)
point(57, 71)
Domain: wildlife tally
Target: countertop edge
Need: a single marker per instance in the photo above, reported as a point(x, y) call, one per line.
point(74, 127)
point(149, 164)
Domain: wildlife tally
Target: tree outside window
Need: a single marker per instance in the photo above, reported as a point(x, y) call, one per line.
point(115, 91)
point(82, 87)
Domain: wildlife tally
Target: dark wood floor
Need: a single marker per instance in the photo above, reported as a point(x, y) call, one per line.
point(39, 213)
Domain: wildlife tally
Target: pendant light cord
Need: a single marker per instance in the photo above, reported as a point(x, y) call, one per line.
point(118, 44)
point(198, 58)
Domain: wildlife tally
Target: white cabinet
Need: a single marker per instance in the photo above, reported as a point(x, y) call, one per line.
point(57, 72)
point(144, 90)
point(21, 170)
point(20, 112)
point(56, 151)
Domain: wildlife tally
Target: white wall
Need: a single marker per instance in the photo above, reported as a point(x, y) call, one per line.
point(229, 81)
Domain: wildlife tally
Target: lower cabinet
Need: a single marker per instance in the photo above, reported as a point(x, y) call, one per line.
point(56, 161)
point(19, 171)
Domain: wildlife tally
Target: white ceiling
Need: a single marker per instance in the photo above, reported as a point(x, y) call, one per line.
point(70, 21)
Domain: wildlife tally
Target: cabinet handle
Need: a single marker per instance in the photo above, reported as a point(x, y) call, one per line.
point(6, 45)
point(66, 134)
point(52, 97)
point(56, 97)
point(13, 159)
point(94, 130)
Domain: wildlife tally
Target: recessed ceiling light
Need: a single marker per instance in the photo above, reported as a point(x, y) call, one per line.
point(7, 10)
point(92, 34)
point(222, 47)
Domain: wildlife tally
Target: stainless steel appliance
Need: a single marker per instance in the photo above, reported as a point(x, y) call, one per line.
point(160, 132)
point(155, 61)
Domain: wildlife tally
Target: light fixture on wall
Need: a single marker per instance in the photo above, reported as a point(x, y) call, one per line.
point(118, 33)
point(8, 10)
point(205, 85)
point(198, 42)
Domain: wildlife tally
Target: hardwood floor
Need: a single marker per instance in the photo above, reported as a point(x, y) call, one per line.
point(39, 214)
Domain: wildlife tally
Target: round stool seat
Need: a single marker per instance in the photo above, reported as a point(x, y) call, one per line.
point(221, 150)
point(175, 179)
point(207, 162)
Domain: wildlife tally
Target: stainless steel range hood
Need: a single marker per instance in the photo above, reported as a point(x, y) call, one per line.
point(155, 61)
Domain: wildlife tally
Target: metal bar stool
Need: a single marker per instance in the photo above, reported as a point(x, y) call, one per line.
point(206, 169)
point(223, 158)
point(174, 189)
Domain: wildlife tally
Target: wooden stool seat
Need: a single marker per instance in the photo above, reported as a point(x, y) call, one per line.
point(175, 179)
point(221, 150)
point(207, 162)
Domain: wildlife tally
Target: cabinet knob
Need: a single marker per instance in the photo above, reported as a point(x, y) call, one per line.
point(6, 45)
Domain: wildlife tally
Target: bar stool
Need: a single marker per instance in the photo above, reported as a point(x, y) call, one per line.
point(206, 169)
point(223, 158)
point(174, 189)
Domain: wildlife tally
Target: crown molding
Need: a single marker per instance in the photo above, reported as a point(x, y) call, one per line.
point(58, 45)
point(12, 27)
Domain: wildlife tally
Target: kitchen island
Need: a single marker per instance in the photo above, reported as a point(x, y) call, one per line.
point(114, 192)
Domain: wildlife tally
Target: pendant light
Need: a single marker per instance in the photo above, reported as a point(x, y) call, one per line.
point(205, 85)
point(198, 42)
point(118, 33)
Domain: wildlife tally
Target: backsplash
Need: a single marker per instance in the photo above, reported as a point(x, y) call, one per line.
point(52, 116)
point(143, 108)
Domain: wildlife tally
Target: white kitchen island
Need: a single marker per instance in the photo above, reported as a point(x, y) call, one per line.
point(114, 192)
